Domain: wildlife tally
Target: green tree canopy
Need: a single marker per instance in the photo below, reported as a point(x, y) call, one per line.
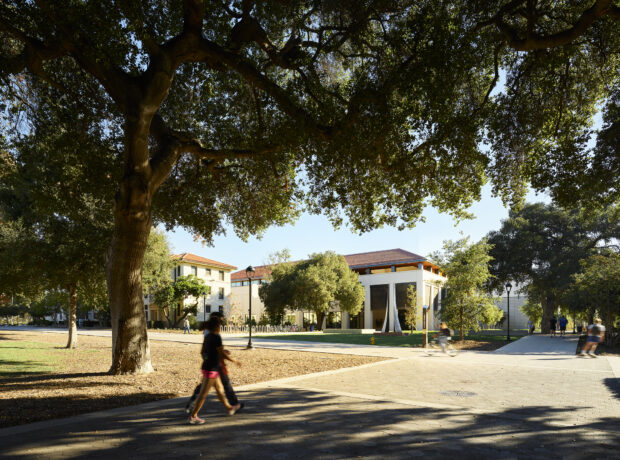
point(318, 284)
point(541, 245)
point(170, 295)
point(599, 282)
point(157, 265)
point(242, 112)
point(466, 304)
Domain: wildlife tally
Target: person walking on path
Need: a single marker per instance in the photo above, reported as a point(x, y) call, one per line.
point(563, 322)
point(552, 325)
point(530, 327)
point(231, 396)
point(596, 334)
point(186, 326)
point(211, 370)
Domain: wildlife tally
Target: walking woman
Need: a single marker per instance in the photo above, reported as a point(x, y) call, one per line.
point(214, 350)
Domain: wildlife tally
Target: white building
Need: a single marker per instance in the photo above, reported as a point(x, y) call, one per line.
point(215, 274)
point(385, 276)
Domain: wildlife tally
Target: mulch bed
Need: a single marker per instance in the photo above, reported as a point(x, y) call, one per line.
point(82, 384)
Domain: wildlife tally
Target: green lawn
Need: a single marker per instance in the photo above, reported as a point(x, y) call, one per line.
point(17, 357)
point(409, 340)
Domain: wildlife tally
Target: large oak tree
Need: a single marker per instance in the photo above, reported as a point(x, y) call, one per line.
point(240, 112)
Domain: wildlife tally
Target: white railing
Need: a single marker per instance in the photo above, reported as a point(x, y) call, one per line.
point(259, 329)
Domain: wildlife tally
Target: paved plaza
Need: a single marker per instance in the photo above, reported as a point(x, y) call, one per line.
point(531, 399)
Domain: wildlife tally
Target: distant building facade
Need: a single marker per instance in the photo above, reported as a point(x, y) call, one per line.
point(385, 276)
point(215, 274)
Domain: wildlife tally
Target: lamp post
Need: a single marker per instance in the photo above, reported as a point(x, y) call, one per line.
point(508, 288)
point(250, 271)
point(204, 307)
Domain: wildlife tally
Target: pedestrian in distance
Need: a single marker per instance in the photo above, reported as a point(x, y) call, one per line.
point(552, 326)
point(231, 396)
point(596, 334)
point(563, 322)
point(530, 327)
point(211, 370)
point(444, 336)
point(186, 326)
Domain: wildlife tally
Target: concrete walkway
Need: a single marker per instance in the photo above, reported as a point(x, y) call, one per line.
point(542, 402)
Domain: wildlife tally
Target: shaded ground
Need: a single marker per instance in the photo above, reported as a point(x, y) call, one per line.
point(292, 422)
point(480, 342)
point(40, 379)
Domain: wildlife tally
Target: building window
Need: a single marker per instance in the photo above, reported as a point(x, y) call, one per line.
point(221, 293)
point(221, 275)
point(221, 309)
point(194, 271)
point(236, 284)
point(207, 308)
point(208, 271)
point(179, 270)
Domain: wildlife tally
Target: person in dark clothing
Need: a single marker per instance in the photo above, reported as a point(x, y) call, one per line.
point(211, 370)
point(552, 326)
point(231, 396)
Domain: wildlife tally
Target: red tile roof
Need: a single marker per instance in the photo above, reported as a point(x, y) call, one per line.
point(387, 257)
point(262, 271)
point(361, 260)
point(188, 257)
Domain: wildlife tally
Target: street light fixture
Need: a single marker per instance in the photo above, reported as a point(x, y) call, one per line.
point(250, 272)
point(508, 288)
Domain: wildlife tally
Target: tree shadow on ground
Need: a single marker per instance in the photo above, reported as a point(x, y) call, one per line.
point(48, 376)
point(613, 384)
point(19, 411)
point(295, 423)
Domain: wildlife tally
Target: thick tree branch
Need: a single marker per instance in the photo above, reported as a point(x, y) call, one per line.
point(172, 144)
point(531, 41)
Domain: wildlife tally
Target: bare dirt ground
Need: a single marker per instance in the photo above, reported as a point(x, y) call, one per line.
point(80, 382)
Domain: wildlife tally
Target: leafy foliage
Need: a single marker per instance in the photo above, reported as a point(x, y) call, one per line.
point(599, 281)
point(157, 264)
point(244, 113)
point(466, 304)
point(541, 245)
point(322, 282)
point(411, 306)
point(168, 296)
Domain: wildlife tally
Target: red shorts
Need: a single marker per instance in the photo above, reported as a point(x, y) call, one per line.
point(210, 374)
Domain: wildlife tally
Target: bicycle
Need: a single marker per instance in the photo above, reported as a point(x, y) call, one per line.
point(434, 347)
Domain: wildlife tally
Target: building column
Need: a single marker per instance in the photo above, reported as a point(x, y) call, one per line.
point(392, 306)
point(367, 311)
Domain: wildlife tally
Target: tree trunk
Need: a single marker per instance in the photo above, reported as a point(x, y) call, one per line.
point(71, 317)
point(462, 337)
point(132, 225)
point(548, 310)
point(320, 316)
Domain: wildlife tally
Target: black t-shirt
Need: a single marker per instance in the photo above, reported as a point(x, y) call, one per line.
point(552, 323)
point(209, 349)
point(445, 332)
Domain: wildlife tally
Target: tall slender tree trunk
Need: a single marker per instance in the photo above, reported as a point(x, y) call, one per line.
point(71, 319)
point(548, 310)
point(462, 337)
point(132, 225)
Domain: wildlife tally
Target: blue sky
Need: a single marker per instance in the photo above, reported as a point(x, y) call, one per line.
point(315, 234)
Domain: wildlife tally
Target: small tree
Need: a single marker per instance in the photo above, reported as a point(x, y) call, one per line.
point(411, 306)
point(169, 296)
point(157, 264)
point(467, 268)
point(317, 284)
